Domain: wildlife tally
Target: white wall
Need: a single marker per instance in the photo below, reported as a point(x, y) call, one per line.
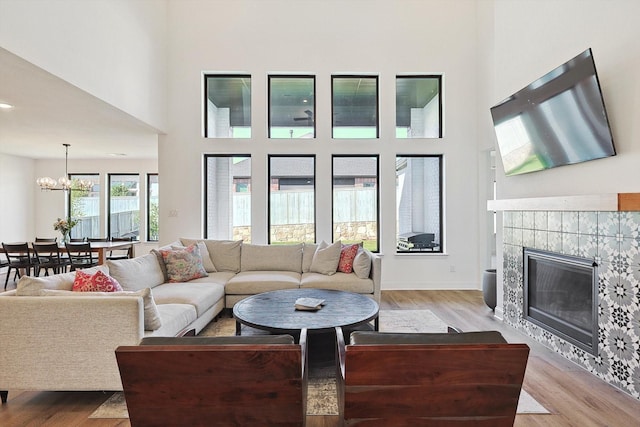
point(16, 193)
point(112, 49)
point(325, 37)
point(532, 37)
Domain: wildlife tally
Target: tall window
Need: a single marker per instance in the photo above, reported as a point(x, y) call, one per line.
point(228, 197)
point(354, 106)
point(292, 106)
point(419, 203)
point(84, 206)
point(227, 106)
point(152, 207)
point(355, 200)
point(292, 199)
point(124, 206)
point(418, 107)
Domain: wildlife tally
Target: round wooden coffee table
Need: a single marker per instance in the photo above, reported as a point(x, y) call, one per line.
point(275, 312)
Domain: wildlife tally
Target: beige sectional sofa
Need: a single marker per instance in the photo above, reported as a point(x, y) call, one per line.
point(56, 339)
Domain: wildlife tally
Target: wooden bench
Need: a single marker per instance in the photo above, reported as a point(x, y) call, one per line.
point(429, 379)
point(202, 381)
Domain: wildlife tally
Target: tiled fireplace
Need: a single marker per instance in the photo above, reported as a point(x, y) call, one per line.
point(612, 240)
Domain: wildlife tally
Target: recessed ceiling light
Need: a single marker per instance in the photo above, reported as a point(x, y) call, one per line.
point(5, 106)
point(118, 154)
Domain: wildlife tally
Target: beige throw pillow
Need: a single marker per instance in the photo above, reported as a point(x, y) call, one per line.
point(152, 320)
point(326, 258)
point(362, 264)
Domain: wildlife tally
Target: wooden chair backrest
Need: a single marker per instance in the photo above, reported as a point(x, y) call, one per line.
point(225, 384)
point(432, 385)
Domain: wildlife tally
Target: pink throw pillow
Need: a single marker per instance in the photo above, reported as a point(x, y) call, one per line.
point(99, 282)
point(347, 255)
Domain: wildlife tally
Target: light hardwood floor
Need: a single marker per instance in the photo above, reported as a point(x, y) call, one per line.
point(575, 397)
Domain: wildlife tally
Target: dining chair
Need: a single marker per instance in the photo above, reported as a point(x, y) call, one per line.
point(80, 255)
point(121, 253)
point(48, 257)
point(46, 239)
point(77, 239)
point(18, 258)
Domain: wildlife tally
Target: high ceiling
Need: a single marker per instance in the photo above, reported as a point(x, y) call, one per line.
point(48, 112)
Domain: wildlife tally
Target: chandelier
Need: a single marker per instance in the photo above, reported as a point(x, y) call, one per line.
point(64, 183)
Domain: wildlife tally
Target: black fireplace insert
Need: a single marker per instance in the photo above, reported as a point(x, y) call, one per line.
point(560, 295)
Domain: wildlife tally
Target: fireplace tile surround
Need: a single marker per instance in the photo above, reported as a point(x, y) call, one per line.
point(612, 239)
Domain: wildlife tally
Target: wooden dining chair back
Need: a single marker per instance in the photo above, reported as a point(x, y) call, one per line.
point(46, 239)
point(445, 380)
point(121, 253)
point(222, 381)
point(80, 255)
point(48, 257)
point(19, 258)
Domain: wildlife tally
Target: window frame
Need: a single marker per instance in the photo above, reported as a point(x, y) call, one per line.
point(205, 205)
point(315, 192)
point(440, 79)
point(70, 176)
point(108, 196)
point(290, 76)
point(148, 204)
point(441, 213)
point(333, 187)
point(205, 84)
point(355, 76)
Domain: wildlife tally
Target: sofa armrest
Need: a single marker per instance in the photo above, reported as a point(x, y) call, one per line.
point(376, 275)
point(66, 343)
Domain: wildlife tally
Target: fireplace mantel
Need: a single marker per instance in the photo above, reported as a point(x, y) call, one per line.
point(597, 202)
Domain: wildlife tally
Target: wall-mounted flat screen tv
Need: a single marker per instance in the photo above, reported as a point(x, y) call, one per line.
point(557, 120)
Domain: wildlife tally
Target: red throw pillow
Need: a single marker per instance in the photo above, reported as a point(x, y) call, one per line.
point(347, 255)
point(98, 282)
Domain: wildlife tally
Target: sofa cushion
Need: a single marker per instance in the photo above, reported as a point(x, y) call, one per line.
point(175, 318)
point(184, 264)
point(308, 251)
point(202, 296)
point(138, 273)
point(362, 263)
point(152, 320)
point(220, 278)
point(347, 255)
point(225, 254)
point(271, 258)
point(339, 281)
point(204, 253)
point(98, 282)
point(31, 286)
point(326, 258)
point(255, 282)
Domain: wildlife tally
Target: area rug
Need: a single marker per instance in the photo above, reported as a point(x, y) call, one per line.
point(321, 395)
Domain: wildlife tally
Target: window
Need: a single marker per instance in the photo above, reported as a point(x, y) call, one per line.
point(84, 206)
point(227, 106)
point(152, 207)
point(124, 206)
point(354, 106)
point(292, 106)
point(419, 203)
point(228, 197)
point(292, 199)
point(355, 200)
point(418, 107)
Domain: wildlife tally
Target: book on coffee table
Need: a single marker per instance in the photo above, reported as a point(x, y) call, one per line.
point(309, 304)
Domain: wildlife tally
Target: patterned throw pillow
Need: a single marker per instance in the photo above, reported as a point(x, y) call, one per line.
point(347, 255)
point(98, 282)
point(183, 264)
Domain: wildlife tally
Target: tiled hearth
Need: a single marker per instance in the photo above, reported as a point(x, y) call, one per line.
point(612, 239)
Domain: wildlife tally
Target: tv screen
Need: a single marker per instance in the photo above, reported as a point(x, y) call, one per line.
point(557, 120)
